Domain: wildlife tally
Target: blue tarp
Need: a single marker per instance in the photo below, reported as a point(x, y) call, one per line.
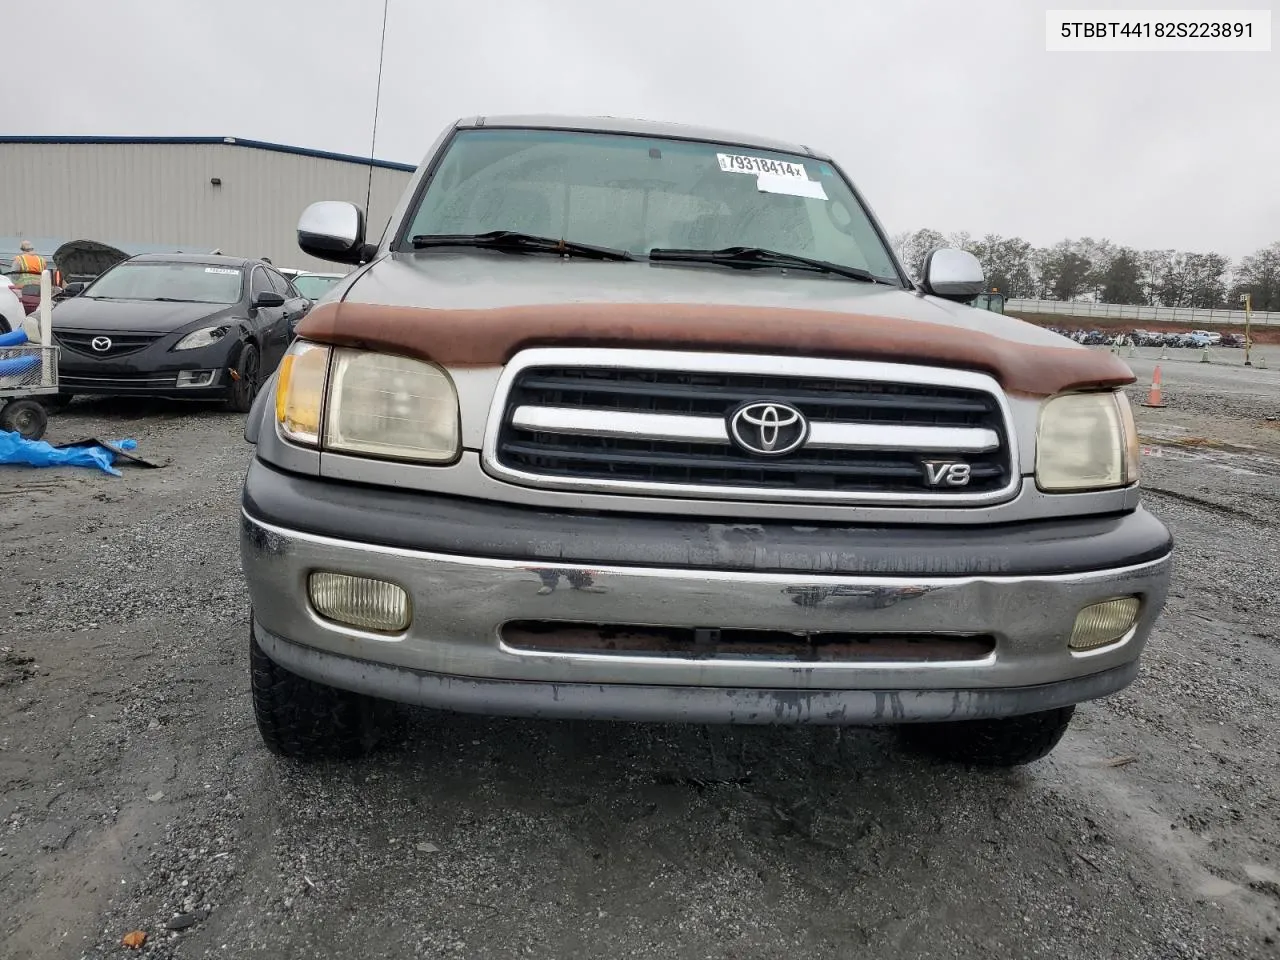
point(39, 453)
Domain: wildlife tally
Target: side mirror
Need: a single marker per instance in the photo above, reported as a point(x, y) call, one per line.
point(74, 289)
point(268, 300)
point(953, 274)
point(332, 230)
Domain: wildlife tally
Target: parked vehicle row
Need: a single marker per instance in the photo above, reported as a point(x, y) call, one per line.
point(1197, 339)
point(183, 326)
point(405, 523)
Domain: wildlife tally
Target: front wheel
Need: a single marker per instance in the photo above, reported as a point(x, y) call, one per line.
point(304, 720)
point(246, 379)
point(27, 417)
point(1003, 742)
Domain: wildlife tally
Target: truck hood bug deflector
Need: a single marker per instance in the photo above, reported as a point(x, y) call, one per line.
point(481, 309)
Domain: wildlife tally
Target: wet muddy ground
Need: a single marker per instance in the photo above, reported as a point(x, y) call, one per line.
point(135, 793)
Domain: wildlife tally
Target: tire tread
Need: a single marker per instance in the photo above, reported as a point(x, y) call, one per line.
point(304, 720)
point(1003, 742)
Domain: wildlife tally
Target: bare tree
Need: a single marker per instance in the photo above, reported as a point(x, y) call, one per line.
point(1099, 269)
point(1259, 276)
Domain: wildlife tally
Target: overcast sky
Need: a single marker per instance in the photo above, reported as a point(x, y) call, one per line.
point(947, 113)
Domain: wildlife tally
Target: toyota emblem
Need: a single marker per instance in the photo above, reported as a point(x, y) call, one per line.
point(101, 344)
point(768, 428)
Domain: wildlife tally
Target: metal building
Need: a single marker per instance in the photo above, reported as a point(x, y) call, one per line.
point(198, 194)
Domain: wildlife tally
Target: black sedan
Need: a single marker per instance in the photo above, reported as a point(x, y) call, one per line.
point(176, 325)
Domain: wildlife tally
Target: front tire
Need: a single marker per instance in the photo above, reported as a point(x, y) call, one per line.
point(27, 417)
point(304, 720)
point(247, 380)
point(1003, 742)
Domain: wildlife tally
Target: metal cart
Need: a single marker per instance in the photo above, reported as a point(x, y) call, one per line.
point(27, 371)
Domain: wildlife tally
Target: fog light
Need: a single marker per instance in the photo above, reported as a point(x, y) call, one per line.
point(196, 378)
point(1103, 623)
point(360, 601)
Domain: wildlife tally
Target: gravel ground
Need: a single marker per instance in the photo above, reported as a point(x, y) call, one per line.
point(1222, 386)
point(135, 793)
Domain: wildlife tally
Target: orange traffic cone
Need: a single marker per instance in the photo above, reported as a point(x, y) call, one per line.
point(1155, 398)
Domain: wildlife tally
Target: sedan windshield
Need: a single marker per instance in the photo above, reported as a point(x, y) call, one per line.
point(635, 193)
point(188, 282)
point(313, 286)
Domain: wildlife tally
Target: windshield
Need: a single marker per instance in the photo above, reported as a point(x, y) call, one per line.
point(313, 287)
point(636, 193)
point(193, 282)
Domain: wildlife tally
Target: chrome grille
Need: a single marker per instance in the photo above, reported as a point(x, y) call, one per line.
point(657, 422)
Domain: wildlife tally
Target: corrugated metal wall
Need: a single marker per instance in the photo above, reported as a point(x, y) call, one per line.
point(161, 194)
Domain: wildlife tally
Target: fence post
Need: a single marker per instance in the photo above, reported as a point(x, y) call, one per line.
point(1248, 304)
point(46, 326)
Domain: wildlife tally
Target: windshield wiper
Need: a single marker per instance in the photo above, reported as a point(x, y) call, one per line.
point(745, 257)
point(514, 240)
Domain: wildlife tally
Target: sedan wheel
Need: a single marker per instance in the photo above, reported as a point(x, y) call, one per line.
point(245, 384)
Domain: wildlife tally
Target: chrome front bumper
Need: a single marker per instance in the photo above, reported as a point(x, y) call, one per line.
point(452, 655)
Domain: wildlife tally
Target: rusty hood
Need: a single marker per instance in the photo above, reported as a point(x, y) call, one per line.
point(479, 308)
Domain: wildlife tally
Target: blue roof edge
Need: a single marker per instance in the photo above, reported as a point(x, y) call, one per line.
point(229, 141)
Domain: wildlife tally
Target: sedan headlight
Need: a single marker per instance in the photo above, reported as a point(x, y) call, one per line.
point(1086, 441)
point(204, 337)
point(375, 404)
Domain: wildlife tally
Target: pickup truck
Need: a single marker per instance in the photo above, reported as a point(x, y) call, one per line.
point(635, 421)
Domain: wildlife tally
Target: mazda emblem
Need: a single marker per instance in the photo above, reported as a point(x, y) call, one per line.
point(768, 428)
point(101, 344)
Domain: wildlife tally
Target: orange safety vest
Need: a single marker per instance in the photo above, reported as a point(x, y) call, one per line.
point(28, 263)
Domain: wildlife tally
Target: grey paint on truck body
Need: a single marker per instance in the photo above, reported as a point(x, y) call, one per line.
point(486, 280)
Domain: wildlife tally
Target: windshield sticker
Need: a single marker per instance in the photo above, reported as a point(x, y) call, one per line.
point(790, 186)
point(734, 163)
point(221, 270)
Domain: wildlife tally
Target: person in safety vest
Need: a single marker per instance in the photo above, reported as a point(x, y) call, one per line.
point(27, 266)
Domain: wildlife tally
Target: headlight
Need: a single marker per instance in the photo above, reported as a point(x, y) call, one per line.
point(204, 337)
point(367, 403)
point(389, 406)
point(300, 391)
point(1086, 441)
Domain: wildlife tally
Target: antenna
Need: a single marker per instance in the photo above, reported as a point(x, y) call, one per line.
point(377, 102)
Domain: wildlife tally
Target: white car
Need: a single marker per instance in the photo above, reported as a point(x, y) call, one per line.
point(12, 313)
point(1213, 338)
